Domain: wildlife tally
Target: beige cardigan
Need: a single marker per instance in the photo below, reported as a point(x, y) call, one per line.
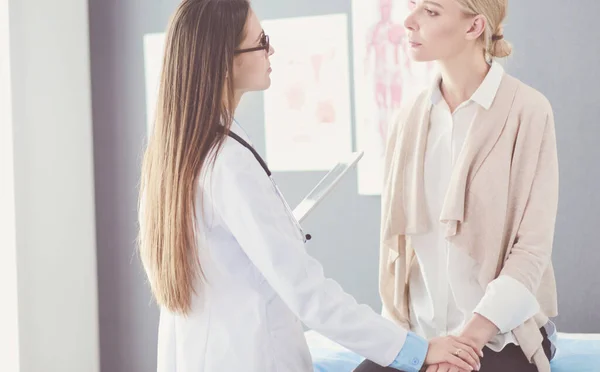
point(500, 206)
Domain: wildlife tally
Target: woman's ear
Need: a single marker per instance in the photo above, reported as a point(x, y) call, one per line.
point(477, 27)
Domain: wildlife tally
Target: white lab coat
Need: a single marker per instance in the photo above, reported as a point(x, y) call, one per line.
point(261, 284)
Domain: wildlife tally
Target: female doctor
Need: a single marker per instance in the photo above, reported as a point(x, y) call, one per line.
point(224, 256)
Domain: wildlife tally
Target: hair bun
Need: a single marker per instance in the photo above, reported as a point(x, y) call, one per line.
point(499, 30)
point(500, 48)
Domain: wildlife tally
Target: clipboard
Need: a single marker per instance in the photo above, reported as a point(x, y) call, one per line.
point(325, 185)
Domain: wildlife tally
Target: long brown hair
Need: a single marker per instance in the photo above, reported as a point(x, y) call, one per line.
point(195, 100)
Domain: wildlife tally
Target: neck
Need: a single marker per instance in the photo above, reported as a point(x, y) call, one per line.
point(461, 76)
point(236, 99)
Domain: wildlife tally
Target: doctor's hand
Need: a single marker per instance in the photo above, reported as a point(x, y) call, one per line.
point(457, 351)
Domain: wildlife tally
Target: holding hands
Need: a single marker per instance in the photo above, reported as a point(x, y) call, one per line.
point(452, 354)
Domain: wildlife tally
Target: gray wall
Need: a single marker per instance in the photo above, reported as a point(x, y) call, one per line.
point(556, 51)
point(557, 48)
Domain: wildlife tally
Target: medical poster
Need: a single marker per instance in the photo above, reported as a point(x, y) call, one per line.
point(384, 77)
point(153, 57)
point(307, 107)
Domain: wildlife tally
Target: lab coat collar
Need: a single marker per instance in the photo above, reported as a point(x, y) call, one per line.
point(239, 130)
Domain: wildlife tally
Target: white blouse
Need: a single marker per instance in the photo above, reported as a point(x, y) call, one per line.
point(444, 291)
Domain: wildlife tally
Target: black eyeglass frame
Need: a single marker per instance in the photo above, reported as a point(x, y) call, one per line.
point(264, 45)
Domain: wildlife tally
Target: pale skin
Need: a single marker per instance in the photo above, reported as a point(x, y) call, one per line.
point(440, 31)
point(251, 72)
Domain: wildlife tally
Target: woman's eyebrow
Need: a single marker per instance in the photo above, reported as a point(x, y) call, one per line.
point(433, 3)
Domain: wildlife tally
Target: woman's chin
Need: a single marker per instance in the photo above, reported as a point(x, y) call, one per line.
point(259, 86)
point(418, 56)
point(267, 83)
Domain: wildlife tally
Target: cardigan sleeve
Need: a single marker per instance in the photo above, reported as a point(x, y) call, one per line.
point(531, 252)
point(391, 295)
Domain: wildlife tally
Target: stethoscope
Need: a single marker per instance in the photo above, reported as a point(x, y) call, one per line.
point(264, 166)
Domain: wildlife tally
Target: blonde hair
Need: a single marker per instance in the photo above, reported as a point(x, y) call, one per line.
point(493, 37)
point(193, 115)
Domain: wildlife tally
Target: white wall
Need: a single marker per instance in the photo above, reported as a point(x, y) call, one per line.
point(53, 186)
point(9, 334)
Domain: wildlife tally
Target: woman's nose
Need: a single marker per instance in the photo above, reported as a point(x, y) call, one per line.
point(410, 22)
point(271, 50)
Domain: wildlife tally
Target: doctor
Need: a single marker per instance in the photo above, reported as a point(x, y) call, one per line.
point(224, 256)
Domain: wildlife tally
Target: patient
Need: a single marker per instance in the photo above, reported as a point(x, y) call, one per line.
point(470, 196)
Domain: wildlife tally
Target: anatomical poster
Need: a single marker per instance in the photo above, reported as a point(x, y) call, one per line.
point(384, 77)
point(307, 107)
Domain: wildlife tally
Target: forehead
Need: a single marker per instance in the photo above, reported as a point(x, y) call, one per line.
point(253, 27)
point(450, 7)
point(445, 3)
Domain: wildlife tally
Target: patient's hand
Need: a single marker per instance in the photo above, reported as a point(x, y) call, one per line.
point(458, 351)
point(444, 367)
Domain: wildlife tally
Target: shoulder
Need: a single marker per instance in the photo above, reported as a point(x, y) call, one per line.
point(529, 101)
point(414, 103)
point(408, 115)
point(232, 162)
point(532, 114)
point(230, 151)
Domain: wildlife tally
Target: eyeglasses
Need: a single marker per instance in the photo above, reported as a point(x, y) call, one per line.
point(264, 45)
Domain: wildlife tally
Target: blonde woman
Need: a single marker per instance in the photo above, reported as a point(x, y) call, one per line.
point(224, 256)
point(470, 196)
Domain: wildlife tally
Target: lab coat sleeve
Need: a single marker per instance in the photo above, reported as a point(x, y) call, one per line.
point(413, 353)
point(248, 203)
